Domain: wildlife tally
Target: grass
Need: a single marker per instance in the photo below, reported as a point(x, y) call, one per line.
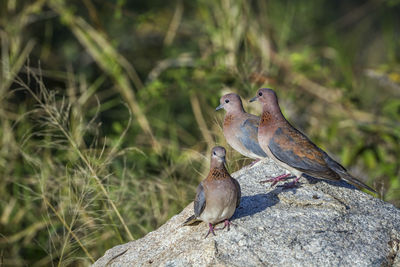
point(107, 110)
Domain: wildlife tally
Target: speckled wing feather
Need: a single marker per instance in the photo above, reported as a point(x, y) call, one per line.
point(248, 136)
point(199, 201)
point(296, 150)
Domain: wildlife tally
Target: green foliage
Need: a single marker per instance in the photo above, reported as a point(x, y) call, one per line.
point(107, 107)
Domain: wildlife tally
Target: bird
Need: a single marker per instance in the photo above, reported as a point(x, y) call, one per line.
point(293, 150)
point(217, 196)
point(240, 128)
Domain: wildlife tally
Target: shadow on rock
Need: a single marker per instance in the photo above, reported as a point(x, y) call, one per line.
point(250, 205)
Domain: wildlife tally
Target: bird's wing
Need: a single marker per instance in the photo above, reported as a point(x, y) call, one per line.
point(239, 193)
point(248, 136)
point(199, 201)
point(296, 150)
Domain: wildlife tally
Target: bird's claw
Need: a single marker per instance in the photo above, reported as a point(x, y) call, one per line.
point(227, 223)
point(210, 230)
point(277, 179)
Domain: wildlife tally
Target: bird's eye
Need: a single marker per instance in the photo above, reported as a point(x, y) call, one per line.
point(226, 100)
point(214, 153)
point(260, 94)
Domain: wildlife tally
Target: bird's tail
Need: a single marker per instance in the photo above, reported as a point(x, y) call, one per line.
point(192, 219)
point(354, 181)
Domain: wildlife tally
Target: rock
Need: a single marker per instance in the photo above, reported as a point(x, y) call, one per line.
point(318, 224)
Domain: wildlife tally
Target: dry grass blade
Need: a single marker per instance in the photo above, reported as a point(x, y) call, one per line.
point(26, 232)
point(54, 116)
point(68, 228)
point(173, 26)
point(201, 121)
point(12, 67)
point(110, 61)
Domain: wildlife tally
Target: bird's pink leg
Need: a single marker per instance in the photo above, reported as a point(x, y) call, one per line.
point(210, 230)
point(291, 184)
point(226, 223)
point(277, 179)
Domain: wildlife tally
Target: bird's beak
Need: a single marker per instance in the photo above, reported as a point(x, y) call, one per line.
point(253, 99)
point(219, 107)
point(223, 159)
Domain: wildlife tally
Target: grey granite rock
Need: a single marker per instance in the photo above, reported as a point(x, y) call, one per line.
point(318, 224)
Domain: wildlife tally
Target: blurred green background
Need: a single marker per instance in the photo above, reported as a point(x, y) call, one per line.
point(107, 107)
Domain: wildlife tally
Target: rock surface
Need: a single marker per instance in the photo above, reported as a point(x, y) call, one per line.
point(318, 224)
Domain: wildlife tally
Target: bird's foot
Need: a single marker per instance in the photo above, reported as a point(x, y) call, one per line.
point(277, 179)
point(210, 230)
point(292, 184)
point(227, 223)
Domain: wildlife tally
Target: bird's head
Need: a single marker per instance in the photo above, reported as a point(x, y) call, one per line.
point(265, 96)
point(218, 155)
point(230, 102)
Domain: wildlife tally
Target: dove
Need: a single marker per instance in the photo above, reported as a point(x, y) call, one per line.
point(240, 128)
point(217, 196)
point(292, 150)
